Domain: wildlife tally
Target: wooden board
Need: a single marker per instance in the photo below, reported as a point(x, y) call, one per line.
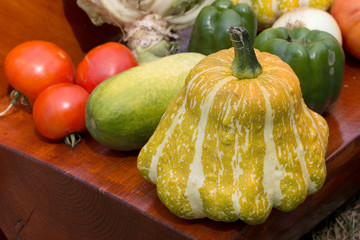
point(49, 191)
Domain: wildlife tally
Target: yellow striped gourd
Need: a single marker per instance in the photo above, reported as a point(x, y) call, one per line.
point(237, 140)
point(267, 11)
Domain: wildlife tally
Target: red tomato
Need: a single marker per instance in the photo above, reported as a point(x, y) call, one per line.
point(60, 110)
point(103, 62)
point(32, 66)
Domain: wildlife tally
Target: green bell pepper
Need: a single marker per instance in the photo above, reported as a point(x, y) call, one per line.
point(210, 34)
point(315, 56)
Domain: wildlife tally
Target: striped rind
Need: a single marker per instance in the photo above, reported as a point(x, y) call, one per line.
point(230, 149)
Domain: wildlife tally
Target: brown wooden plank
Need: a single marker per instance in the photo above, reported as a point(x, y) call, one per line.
point(48, 190)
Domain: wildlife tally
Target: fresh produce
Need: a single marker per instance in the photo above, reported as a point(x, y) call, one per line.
point(315, 56)
point(149, 27)
point(103, 62)
point(209, 33)
point(267, 11)
point(59, 112)
point(237, 140)
point(347, 15)
point(311, 18)
point(32, 66)
point(123, 111)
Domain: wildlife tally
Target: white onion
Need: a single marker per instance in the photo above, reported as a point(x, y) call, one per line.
point(311, 18)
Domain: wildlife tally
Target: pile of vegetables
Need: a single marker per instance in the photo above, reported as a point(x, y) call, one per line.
point(149, 27)
point(245, 144)
point(311, 18)
point(43, 77)
point(215, 125)
point(268, 11)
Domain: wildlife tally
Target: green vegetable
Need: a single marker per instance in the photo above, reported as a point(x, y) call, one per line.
point(210, 33)
point(123, 111)
point(315, 56)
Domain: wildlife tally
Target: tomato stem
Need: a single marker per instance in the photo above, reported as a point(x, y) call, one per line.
point(15, 96)
point(72, 140)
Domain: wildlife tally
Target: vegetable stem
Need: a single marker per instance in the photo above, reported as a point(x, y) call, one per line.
point(15, 96)
point(72, 140)
point(245, 64)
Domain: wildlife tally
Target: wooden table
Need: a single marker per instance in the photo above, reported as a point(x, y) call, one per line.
point(49, 191)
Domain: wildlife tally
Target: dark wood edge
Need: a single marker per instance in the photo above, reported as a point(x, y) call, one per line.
point(120, 207)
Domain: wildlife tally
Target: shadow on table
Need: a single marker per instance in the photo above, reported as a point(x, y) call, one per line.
point(2, 236)
point(87, 34)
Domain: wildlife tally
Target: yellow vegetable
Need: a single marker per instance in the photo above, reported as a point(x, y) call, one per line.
point(237, 140)
point(268, 11)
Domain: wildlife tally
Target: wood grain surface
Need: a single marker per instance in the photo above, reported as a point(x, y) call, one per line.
point(50, 191)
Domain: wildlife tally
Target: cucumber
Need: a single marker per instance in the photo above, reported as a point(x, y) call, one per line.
point(123, 111)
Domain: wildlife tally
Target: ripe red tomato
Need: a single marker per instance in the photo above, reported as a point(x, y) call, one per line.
point(60, 110)
point(32, 66)
point(103, 62)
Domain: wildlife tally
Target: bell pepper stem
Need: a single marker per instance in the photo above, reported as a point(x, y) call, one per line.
point(245, 64)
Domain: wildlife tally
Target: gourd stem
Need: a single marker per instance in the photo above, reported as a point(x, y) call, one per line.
point(72, 140)
point(15, 96)
point(245, 64)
